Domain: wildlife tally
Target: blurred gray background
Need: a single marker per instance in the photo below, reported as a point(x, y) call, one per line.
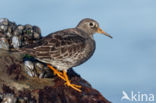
point(126, 62)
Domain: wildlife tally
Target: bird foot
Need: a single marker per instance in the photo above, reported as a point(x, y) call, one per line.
point(74, 86)
point(56, 72)
point(64, 76)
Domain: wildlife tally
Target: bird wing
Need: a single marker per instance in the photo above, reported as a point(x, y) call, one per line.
point(57, 46)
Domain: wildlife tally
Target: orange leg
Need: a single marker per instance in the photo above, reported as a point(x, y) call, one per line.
point(74, 86)
point(56, 72)
point(64, 76)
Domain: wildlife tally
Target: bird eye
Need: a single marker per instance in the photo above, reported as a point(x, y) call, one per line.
point(91, 24)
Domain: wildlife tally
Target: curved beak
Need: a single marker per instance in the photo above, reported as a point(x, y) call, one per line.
point(99, 30)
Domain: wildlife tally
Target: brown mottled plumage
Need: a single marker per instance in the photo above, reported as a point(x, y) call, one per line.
point(63, 49)
point(67, 48)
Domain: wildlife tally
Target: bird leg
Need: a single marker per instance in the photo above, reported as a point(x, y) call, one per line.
point(64, 76)
point(56, 72)
point(74, 86)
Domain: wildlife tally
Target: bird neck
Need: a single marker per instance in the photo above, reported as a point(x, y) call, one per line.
point(84, 33)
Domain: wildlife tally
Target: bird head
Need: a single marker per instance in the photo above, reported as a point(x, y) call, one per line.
point(91, 27)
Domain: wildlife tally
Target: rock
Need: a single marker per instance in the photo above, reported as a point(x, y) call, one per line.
point(3, 28)
point(18, 36)
point(16, 85)
point(16, 42)
point(9, 98)
point(37, 32)
point(4, 43)
point(4, 21)
point(29, 68)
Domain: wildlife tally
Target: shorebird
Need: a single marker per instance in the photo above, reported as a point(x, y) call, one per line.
point(67, 48)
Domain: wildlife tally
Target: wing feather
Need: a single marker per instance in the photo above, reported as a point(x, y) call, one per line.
point(58, 45)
